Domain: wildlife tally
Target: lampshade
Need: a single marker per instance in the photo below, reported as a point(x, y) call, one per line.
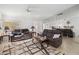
point(32, 27)
point(68, 22)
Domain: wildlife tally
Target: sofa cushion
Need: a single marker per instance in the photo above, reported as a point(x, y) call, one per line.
point(56, 36)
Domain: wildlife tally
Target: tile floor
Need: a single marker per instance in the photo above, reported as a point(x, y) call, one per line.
point(27, 47)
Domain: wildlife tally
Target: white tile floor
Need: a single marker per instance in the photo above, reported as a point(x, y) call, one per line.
point(68, 47)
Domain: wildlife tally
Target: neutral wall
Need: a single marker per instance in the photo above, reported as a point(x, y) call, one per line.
point(72, 14)
point(27, 23)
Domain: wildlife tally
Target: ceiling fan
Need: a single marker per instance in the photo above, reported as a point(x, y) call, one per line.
point(28, 9)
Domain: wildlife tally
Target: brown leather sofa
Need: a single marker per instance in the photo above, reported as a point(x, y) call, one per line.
point(67, 32)
point(20, 34)
point(51, 39)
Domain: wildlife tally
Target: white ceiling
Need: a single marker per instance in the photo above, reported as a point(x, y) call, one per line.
point(38, 11)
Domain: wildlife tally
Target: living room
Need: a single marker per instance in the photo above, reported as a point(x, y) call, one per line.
point(39, 29)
